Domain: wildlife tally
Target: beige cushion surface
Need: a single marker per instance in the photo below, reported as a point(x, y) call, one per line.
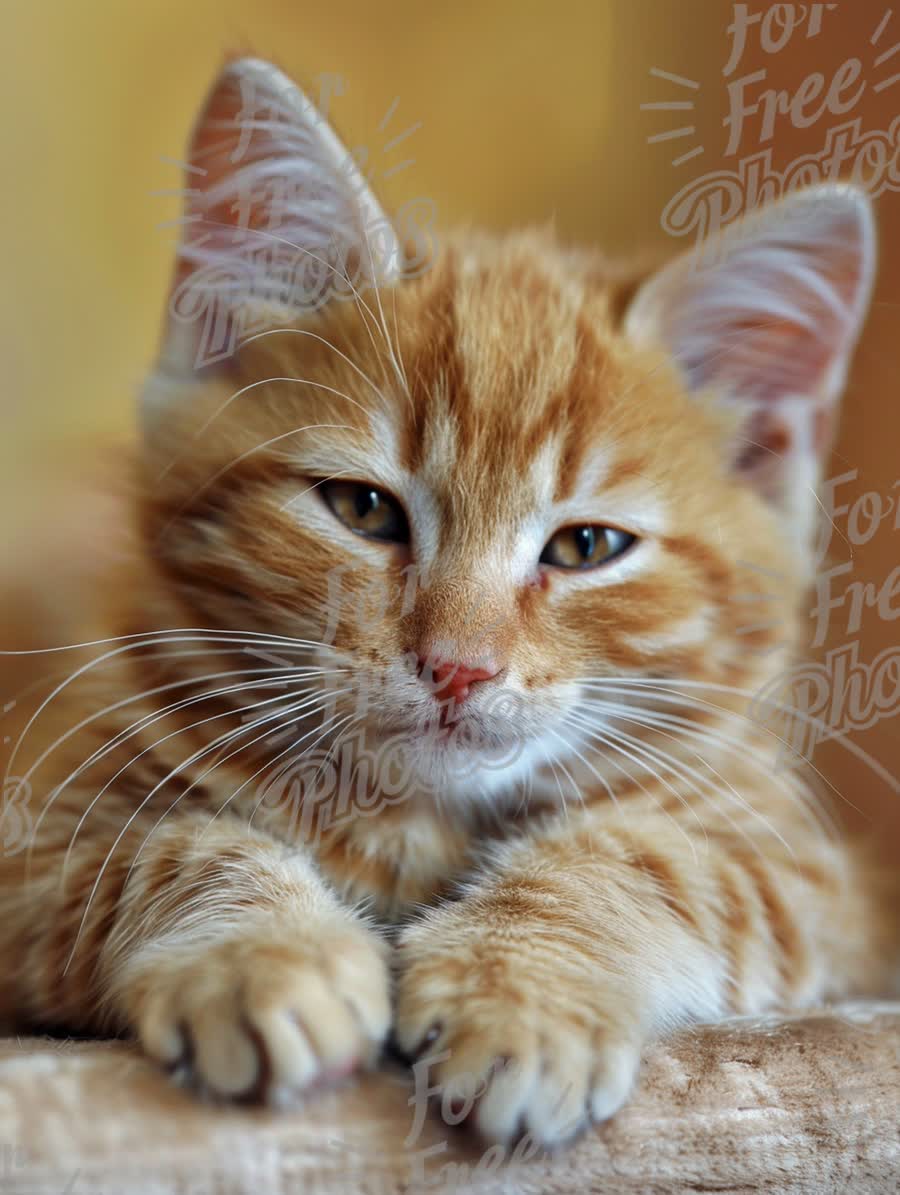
point(778, 1104)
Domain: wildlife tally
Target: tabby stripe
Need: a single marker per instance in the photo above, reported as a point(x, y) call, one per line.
point(785, 935)
point(736, 925)
point(668, 887)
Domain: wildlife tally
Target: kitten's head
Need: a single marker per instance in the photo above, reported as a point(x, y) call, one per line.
point(502, 489)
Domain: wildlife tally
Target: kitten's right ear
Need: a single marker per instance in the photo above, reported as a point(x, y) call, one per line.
point(766, 317)
point(277, 219)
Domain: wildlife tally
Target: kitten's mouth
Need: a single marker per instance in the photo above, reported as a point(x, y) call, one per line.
point(447, 721)
point(448, 752)
point(450, 731)
point(441, 729)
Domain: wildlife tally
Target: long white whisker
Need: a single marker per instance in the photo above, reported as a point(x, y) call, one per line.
point(143, 804)
point(358, 299)
point(151, 637)
point(231, 733)
point(182, 635)
point(326, 729)
point(672, 697)
point(294, 431)
point(315, 336)
point(685, 772)
point(279, 674)
point(657, 720)
point(397, 342)
point(612, 796)
point(586, 727)
point(231, 796)
point(329, 728)
point(150, 719)
point(244, 390)
point(401, 376)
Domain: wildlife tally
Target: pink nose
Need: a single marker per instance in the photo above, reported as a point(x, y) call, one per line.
point(452, 680)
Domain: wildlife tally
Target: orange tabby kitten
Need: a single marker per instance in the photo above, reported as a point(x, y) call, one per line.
point(495, 529)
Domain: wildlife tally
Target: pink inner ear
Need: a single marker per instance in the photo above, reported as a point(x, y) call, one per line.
point(766, 319)
point(789, 350)
point(277, 221)
point(212, 271)
point(237, 130)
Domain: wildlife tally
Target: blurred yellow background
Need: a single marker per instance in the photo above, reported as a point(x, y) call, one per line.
point(529, 112)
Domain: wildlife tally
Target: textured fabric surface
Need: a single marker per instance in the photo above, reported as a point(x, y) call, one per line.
point(797, 1104)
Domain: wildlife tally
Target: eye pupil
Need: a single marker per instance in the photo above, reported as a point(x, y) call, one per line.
point(585, 541)
point(366, 502)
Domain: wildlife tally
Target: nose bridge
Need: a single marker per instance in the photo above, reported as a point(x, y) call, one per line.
point(464, 621)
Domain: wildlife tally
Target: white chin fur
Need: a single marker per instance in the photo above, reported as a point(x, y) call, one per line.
point(462, 773)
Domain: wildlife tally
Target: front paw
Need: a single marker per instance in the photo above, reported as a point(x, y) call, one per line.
point(264, 1011)
point(525, 1027)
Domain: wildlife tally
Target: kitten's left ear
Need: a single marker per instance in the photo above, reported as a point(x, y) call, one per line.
point(767, 316)
point(278, 219)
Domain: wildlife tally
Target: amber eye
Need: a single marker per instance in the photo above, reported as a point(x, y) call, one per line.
point(585, 546)
point(367, 510)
